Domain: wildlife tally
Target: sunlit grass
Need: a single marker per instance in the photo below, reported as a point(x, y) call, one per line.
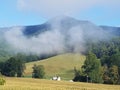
point(62, 65)
point(38, 84)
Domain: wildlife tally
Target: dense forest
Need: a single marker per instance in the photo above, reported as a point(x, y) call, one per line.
point(102, 64)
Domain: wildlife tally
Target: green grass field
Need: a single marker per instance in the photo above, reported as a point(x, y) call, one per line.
point(38, 84)
point(62, 65)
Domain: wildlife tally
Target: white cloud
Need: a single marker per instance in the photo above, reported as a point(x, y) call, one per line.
point(21, 4)
point(45, 43)
point(50, 8)
point(55, 40)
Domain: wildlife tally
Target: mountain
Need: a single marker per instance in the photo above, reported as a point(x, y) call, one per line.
point(111, 29)
point(65, 23)
point(61, 34)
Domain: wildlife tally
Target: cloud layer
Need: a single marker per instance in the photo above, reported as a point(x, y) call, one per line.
point(56, 40)
point(46, 43)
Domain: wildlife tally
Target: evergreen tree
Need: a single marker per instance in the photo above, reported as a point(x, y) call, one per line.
point(92, 68)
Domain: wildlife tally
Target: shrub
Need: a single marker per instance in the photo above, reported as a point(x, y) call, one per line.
point(2, 80)
point(38, 71)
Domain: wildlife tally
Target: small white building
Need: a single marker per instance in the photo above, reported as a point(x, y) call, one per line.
point(56, 78)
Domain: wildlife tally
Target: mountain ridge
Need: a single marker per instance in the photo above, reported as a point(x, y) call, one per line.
point(64, 21)
point(57, 35)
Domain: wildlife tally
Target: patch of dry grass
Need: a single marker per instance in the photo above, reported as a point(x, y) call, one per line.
point(38, 84)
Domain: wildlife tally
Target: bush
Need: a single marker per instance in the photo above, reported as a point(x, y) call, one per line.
point(38, 71)
point(2, 80)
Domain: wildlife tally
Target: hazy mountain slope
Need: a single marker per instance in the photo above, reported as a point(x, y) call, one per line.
point(114, 30)
point(65, 23)
point(36, 29)
point(5, 49)
point(58, 35)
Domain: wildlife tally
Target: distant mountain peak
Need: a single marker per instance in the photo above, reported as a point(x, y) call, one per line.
point(66, 22)
point(64, 18)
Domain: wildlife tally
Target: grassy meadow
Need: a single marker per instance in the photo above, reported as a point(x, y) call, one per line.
point(61, 65)
point(39, 84)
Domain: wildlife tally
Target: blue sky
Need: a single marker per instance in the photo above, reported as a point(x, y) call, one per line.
point(32, 12)
point(12, 16)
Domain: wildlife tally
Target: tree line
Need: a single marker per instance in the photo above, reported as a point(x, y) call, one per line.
point(15, 66)
point(102, 64)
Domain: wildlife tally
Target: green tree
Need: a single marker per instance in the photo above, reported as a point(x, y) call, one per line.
point(12, 67)
point(114, 75)
point(105, 74)
point(38, 71)
point(9, 67)
point(92, 68)
point(20, 62)
point(110, 75)
point(115, 60)
point(79, 76)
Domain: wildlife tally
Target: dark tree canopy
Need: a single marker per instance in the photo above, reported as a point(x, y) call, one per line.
point(13, 66)
point(38, 71)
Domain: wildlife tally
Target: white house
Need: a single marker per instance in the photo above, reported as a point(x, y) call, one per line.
point(56, 78)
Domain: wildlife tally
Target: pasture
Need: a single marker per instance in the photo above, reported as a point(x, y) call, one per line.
point(39, 84)
point(61, 65)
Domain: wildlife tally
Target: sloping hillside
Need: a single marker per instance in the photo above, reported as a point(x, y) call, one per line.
point(62, 65)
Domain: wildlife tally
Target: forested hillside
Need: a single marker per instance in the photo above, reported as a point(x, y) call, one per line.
point(102, 63)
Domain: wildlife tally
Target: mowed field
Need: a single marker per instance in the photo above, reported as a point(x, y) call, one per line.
point(39, 84)
point(61, 65)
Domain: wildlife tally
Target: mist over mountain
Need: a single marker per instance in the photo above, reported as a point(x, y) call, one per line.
point(58, 35)
point(113, 30)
